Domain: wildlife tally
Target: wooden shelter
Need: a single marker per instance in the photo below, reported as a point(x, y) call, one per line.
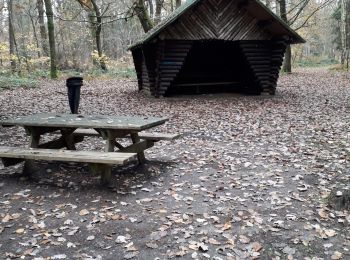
point(213, 45)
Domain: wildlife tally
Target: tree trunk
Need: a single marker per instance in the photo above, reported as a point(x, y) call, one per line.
point(151, 8)
point(11, 36)
point(178, 3)
point(35, 34)
point(51, 30)
point(283, 11)
point(98, 29)
point(159, 4)
point(141, 12)
point(43, 35)
point(92, 26)
point(268, 4)
point(343, 31)
point(287, 63)
point(277, 5)
point(23, 42)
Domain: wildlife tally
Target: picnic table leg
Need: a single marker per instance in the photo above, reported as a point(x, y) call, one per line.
point(106, 173)
point(68, 137)
point(140, 155)
point(33, 143)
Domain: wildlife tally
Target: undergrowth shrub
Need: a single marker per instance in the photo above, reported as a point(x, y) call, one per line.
point(14, 81)
point(316, 61)
point(112, 72)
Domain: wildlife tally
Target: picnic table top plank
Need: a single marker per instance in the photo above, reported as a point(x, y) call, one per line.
point(85, 121)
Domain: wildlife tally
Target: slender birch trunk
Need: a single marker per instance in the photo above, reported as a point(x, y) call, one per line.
point(52, 44)
point(287, 63)
point(97, 31)
point(142, 13)
point(42, 29)
point(11, 36)
point(343, 32)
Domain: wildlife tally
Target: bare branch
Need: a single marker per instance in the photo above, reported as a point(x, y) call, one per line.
point(312, 14)
point(295, 17)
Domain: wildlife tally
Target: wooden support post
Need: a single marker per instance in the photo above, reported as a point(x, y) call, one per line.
point(33, 143)
point(106, 173)
point(140, 155)
point(118, 145)
point(68, 137)
point(138, 147)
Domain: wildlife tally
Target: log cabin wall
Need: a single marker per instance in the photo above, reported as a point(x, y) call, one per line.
point(171, 62)
point(138, 60)
point(248, 66)
point(249, 40)
point(149, 54)
point(251, 66)
point(159, 64)
point(264, 60)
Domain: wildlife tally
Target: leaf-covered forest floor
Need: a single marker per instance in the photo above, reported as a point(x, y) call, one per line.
point(248, 179)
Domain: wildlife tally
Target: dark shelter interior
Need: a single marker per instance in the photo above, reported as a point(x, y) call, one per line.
point(213, 66)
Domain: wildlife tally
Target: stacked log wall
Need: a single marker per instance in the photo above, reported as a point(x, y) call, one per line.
point(170, 63)
point(138, 60)
point(158, 66)
point(149, 53)
point(278, 51)
point(264, 59)
point(145, 83)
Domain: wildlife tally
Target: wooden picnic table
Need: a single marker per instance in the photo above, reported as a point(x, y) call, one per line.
point(67, 126)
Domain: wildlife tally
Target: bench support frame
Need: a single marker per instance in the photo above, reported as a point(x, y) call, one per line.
point(70, 136)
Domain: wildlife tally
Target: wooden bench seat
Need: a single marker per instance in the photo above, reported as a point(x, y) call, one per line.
point(146, 136)
point(65, 155)
point(98, 161)
point(158, 136)
point(199, 84)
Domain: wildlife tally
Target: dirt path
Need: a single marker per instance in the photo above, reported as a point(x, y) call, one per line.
point(249, 179)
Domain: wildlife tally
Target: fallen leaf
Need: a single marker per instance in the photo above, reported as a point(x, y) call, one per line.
point(227, 226)
point(20, 231)
point(6, 219)
point(203, 247)
point(60, 256)
point(89, 238)
point(257, 246)
point(323, 213)
point(83, 212)
point(330, 232)
point(337, 255)
point(121, 239)
point(214, 241)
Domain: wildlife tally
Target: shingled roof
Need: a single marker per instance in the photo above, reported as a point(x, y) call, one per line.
point(275, 24)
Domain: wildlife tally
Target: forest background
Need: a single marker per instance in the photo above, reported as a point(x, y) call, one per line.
point(56, 38)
